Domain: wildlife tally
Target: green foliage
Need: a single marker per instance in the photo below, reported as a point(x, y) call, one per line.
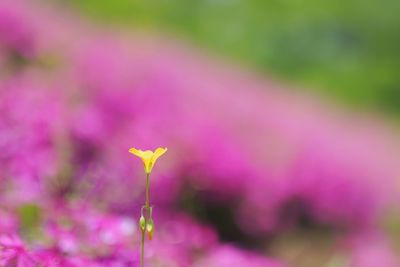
point(347, 49)
point(30, 217)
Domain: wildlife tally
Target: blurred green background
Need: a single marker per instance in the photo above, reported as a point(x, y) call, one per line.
point(346, 50)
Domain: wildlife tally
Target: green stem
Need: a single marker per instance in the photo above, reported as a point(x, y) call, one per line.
point(146, 218)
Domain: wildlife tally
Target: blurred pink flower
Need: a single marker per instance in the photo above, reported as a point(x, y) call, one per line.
point(14, 253)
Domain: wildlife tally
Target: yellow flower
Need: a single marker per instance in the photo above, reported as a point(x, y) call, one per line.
point(148, 157)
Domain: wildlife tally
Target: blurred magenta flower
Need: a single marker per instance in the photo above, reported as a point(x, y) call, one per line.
point(270, 158)
point(14, 253)
point(225, 256)
point(16, 32)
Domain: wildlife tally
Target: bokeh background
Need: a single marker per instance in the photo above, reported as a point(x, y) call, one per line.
point(280, 118)
point(331, 47)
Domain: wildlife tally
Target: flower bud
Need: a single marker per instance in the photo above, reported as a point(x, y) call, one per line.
point(150, 229)
point(142, 223)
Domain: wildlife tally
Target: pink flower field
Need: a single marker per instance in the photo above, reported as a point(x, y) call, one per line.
point(255, 175)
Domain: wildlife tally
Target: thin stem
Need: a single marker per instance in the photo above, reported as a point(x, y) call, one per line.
point(146, 218)
point(147, 190)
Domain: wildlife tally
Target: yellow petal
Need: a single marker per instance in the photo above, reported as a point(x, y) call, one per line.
point(158, 153)
point(147, 157)
point(136, 152)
